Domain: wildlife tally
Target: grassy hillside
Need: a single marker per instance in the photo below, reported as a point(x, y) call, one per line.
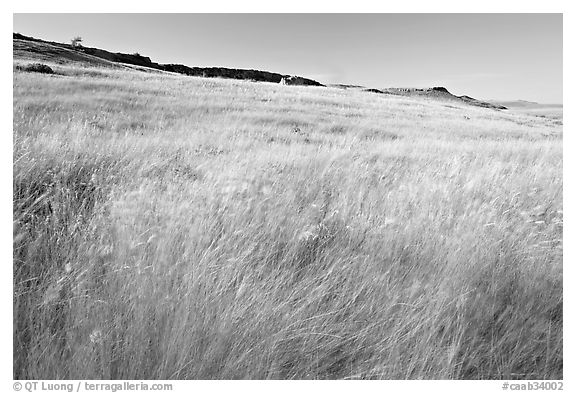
point(185, 228)
point(29, 47)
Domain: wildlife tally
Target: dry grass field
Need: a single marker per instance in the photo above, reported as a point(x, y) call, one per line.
point(172, 227)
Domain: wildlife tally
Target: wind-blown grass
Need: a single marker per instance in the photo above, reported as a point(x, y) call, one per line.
point(175, 227)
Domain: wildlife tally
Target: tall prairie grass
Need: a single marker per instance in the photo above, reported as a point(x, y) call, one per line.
point(170, 227)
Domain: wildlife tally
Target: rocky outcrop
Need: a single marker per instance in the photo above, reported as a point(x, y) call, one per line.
point(298, 81)
point(234, 73)
point(475, 102)
point(441, 93)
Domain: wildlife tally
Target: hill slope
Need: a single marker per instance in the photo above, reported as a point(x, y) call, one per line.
point(175, 227)
point(43, 49)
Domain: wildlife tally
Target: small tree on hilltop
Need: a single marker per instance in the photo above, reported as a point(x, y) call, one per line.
point(76, 42)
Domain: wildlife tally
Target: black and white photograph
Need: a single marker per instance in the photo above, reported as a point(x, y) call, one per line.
point(287, 196)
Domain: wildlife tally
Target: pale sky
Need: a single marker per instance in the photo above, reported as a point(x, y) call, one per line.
point(486, 56)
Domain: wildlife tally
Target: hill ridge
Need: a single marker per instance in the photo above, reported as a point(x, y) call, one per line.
point(211, 72)
point(136, 59)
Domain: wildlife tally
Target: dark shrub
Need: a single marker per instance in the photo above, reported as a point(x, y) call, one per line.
point(36, 67)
